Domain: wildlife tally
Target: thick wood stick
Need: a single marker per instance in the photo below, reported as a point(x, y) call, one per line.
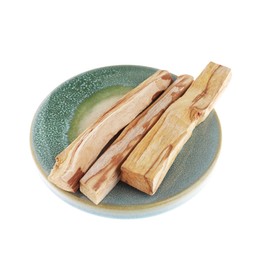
point(104, 174)
point(147, 165)
point(74, 161)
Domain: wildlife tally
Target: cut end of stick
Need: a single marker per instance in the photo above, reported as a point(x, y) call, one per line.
point(137, 181)
point(98, 186)
point(57, 180)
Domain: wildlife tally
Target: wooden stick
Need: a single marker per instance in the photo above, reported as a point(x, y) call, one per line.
point(104, 174)
point(74, 161)
point(147, 165)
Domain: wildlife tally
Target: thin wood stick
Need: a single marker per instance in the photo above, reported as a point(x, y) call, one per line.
point(74, 161)
point(147, 165)
point(104, 174)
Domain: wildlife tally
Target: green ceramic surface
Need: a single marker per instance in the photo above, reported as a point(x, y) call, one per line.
point(52, 130)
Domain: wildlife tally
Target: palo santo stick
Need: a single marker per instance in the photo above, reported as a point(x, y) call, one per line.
point(147, 165)
point(74, 161)
point(104, 174)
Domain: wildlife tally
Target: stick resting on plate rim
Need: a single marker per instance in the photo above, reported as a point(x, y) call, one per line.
point(147, 165)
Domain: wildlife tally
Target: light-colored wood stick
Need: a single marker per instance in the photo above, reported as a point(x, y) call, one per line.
point(74, 161)
point(104, 174)
point(147, 165)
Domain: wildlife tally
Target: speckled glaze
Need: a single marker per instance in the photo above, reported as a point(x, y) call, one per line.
point(49, 136)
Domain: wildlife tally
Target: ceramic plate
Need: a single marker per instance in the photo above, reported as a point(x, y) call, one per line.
point(63, 112)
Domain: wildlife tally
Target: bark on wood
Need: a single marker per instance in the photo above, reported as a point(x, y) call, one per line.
point(104, 174)
point(74, 161)
point(147, 165)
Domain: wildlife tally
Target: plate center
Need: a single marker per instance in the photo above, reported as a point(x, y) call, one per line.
point(93, 107)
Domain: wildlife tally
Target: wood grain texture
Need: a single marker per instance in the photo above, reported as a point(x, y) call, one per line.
point(104, 174)
point(74, 161)
point(147, 165)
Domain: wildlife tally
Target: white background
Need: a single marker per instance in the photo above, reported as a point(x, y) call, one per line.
point(43, 43)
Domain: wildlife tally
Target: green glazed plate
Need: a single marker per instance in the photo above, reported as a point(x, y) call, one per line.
point(57, 121)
